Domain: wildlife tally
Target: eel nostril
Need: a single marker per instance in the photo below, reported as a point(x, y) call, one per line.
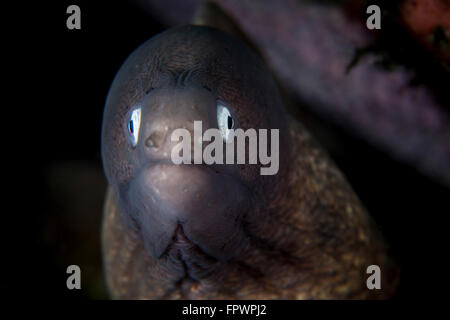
point(154, 140)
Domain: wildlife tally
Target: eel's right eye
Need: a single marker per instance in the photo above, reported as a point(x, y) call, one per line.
point(133, 126)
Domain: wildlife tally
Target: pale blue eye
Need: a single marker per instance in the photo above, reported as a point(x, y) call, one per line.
point(225, 122)
point(133, 126)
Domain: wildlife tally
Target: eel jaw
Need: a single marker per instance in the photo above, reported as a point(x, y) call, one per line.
point(193, 204)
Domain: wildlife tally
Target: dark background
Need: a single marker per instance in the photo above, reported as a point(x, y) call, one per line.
point(51, 216)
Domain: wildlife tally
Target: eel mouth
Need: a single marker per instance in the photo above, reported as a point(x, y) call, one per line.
point(215, 169)
point(191, 209)
point(196, 264)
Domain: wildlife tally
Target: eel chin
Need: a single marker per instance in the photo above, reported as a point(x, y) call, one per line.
point(189, 206)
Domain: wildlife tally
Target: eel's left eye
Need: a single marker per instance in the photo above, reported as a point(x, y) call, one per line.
point(225, 121)
point(133, 126)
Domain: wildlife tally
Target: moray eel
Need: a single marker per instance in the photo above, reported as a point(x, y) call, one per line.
point(223, 231)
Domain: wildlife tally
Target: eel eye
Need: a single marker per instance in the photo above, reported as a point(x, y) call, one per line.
point(225, 122)
point(133, 126)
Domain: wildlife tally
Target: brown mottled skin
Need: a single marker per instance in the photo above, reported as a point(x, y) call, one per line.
point(190, 232)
